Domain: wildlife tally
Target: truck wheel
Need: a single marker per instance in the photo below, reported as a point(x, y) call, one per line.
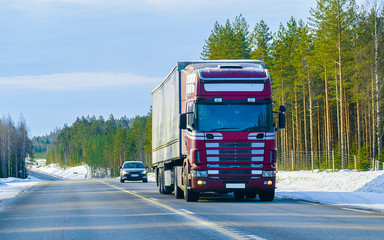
point(160, 180)
point(145, 180)
point(121, 180)
point(189, 194)
point(178, 192)
point(250, 195)
point(239, 195)
point(162, 188)
point(267, 196)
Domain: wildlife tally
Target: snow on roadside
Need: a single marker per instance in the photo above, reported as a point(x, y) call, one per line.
point(79, 172)
point(346, 188)
point(10, 187)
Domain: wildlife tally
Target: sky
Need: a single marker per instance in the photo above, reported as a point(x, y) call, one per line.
point(63, 59)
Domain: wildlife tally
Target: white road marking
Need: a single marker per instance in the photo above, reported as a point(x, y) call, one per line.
point(186, 211)
point(254, 237)
point(356, 210)
point(310, 203)
point(154, 199)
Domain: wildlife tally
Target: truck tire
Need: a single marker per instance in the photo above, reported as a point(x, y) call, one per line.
point(162, 188)
point(160, 180)
point(189, 194)
point(178, 192)
point(267, 196)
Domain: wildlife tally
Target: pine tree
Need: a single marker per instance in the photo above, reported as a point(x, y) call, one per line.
point(230, 41)
point(261, 43)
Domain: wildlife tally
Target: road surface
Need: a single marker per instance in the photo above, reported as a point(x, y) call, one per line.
point(108, 209)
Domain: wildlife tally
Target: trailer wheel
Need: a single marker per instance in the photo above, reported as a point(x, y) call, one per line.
point(162, 188)
point(178, 192)
point(267, 196)
point(189, 194)
point(160, 180)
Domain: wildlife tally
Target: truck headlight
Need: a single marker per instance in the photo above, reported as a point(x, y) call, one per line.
point(123, 172)
point(144, 172)
point(268, 173)
point(200, 173)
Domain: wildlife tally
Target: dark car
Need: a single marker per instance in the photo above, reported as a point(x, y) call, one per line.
point(133, 170)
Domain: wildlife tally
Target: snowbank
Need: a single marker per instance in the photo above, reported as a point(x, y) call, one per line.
point(346, 188)
point(80, 172)
point(10, 187)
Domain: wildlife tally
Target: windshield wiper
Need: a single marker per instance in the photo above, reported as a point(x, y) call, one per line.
point(214, 130)
point(250, 129)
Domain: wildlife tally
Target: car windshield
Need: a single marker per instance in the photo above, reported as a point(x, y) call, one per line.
point(133, 165)
point(234, 117)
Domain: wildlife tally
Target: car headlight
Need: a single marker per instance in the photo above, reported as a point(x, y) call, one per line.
point(200, 173)
point(123, 172)
point(268, 173)
point(144, 172)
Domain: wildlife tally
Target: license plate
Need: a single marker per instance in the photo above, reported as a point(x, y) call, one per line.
point(134, 175)
point(235, 185)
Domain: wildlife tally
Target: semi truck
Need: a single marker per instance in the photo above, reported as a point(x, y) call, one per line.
point(214, 130)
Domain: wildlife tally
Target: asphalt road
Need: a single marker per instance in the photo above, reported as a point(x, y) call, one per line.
point(108, 209)
point(43, 176)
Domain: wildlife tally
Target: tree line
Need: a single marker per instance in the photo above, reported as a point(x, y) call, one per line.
point(103, 144)
point(328, 71)
point(15, 146)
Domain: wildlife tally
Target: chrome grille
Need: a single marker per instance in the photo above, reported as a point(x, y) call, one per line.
point(229, 159)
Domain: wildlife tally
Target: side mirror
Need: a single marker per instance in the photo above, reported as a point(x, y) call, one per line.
point(183, 121)
point(282, 121)
point(283, 108)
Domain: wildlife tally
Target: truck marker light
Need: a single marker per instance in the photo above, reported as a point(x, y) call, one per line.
point(251, 99)
point(269, 182)
point(201, 182)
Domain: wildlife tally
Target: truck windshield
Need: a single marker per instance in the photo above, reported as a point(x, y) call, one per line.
point(234, 117)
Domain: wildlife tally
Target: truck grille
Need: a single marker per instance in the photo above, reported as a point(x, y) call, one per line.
point(235, 160)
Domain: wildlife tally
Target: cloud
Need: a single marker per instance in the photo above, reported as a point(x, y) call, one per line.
point(77, 81)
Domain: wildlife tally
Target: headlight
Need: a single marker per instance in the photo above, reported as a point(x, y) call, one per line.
point(144, 172)
point(268, 173)
point(200, 173)
point(124, 172)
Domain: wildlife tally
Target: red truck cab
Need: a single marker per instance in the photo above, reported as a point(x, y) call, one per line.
point(228, 133)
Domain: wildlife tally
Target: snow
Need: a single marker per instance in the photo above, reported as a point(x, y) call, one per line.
point(352, 189)
point(361, 190)
point(11, 187)
point(80, 172)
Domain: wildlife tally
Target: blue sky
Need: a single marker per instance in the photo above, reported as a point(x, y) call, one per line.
point(63, 59)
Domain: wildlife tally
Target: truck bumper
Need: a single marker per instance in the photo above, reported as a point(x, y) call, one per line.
point(225, 186)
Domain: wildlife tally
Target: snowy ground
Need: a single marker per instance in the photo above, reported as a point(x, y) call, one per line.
point(363, 190)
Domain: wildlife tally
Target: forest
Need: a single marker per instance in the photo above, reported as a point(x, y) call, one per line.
point(102, 144)
point(15, 146)
point(328, 71)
